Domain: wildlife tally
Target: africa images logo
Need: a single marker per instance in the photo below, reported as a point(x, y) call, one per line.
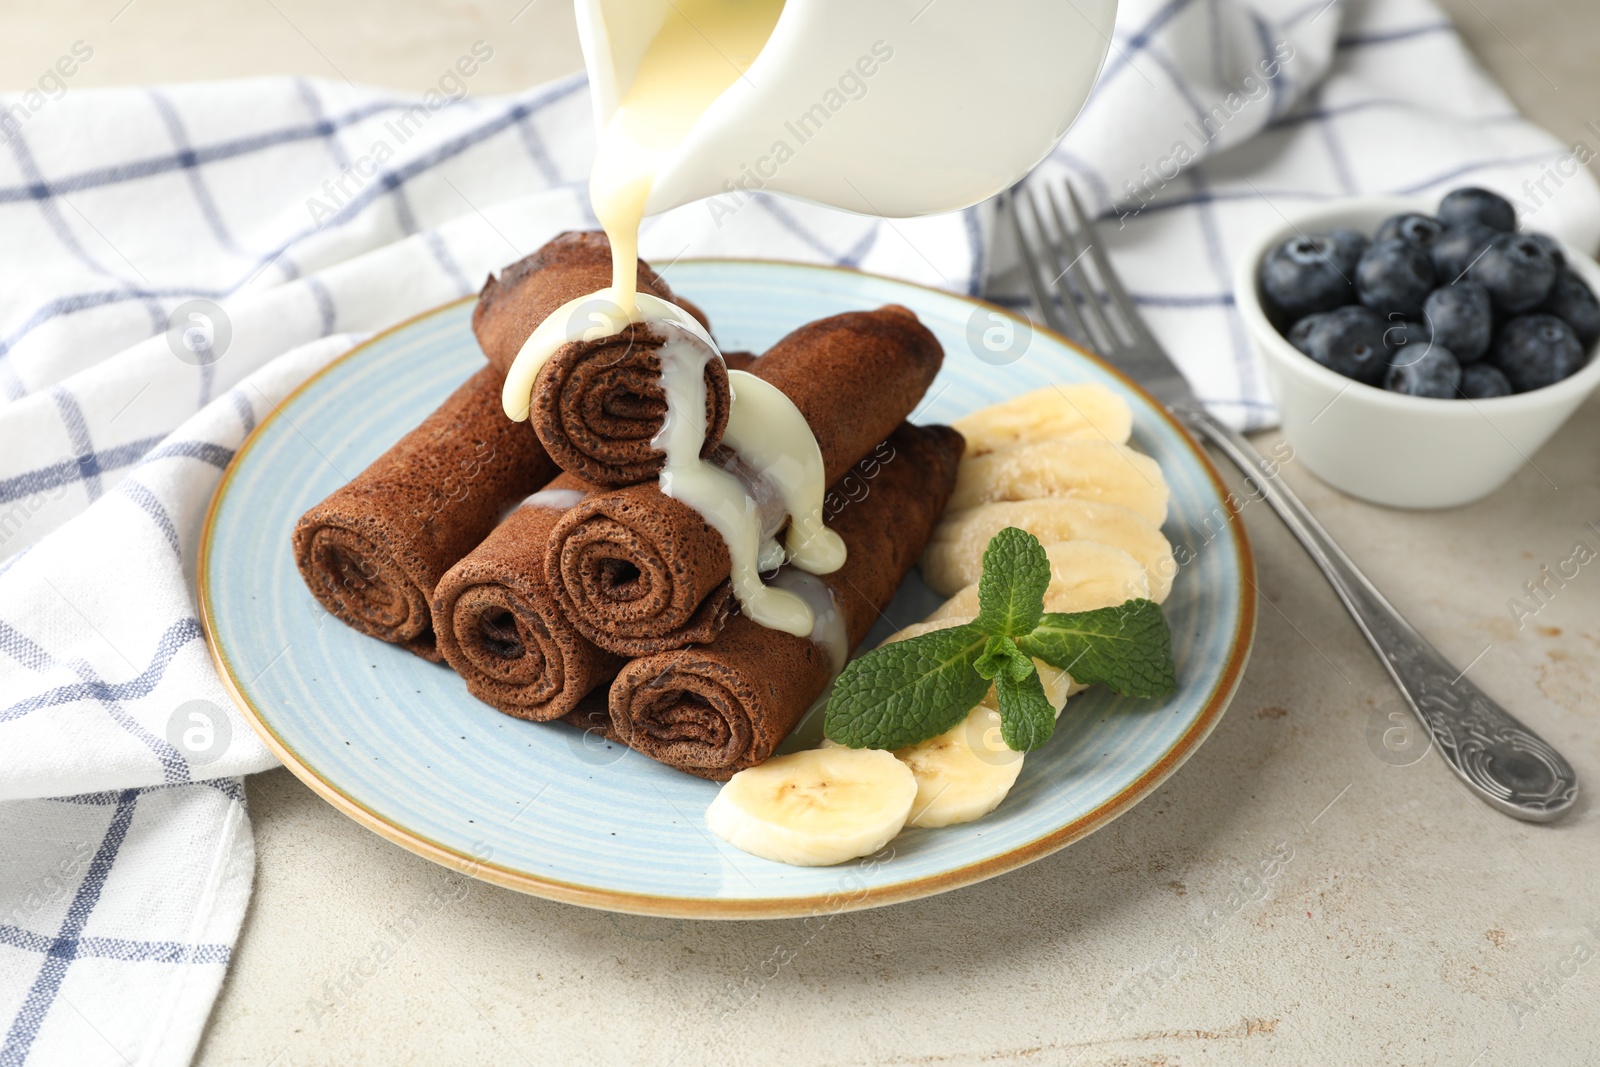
point(199, 332)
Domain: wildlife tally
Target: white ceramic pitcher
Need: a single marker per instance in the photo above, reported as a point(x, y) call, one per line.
point(885, 107)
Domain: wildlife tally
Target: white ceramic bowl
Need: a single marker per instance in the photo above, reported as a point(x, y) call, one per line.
point(1402, 451)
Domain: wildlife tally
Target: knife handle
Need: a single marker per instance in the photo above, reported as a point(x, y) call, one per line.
point(1505, 763)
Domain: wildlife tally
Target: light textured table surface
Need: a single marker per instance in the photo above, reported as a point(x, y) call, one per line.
point(1399, 921)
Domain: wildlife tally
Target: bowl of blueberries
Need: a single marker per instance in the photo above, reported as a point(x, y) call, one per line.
point(1420, 352)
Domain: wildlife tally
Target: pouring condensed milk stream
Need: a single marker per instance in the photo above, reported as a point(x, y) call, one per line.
point(686, 118)
point(701, 48)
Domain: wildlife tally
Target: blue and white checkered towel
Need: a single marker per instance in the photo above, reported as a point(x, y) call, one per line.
point(273, 223)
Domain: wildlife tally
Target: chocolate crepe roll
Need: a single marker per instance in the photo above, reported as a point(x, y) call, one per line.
point(595, 405)
point(639, 572)
point(712, 710)
point(372, 552)
point(500, 626)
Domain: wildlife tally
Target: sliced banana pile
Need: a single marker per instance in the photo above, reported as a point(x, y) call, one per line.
point(1054, 462)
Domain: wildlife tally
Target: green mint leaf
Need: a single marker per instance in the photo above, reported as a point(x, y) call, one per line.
point(907, 692)
point(1127, 648)
point(1000, 656)
point(1027, 718)
point(1016, 573)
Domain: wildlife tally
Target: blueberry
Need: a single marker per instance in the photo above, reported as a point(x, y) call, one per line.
point(1348, 340)
point(1459, 318)
point(1305, 275)
point(1420, 230)
point(1394, 277)
point(1402, 332)
point(1482, 381)
point(1573, 302)
point(1457, 248)
point(1517, 271)
point(1300, 334)
point(1480, 206)
point(1551, 246)
point(1537, 350)
point(1435, 372)
point(1344, 247)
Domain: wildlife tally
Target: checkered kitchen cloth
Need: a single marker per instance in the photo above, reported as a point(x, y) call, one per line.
point(273, 223)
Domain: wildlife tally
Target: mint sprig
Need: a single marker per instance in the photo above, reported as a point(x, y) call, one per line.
point(1001, 657)
point(903, 693)
point(909, 691)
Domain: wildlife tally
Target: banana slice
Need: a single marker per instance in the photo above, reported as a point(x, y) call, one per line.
point(815, 808)
point(1083, 468)
point(1092, 411)
point(954, 557)
point(1084, 575)
point(964, 773)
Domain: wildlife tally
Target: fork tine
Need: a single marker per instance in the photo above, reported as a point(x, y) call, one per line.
point(1104, 338)
point(1126, 309)
point(1041, 295)
point(1067, 319)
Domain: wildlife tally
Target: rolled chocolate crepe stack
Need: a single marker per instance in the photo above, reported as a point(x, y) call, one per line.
point(715, 709)
point(374, 550)
point(595, 404)
point(500, 625)
point(640, 573)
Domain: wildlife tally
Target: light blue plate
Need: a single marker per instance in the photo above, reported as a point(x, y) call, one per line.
point(399, 745)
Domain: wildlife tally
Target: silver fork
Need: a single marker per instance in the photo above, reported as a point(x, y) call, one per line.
point(1499, 758)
